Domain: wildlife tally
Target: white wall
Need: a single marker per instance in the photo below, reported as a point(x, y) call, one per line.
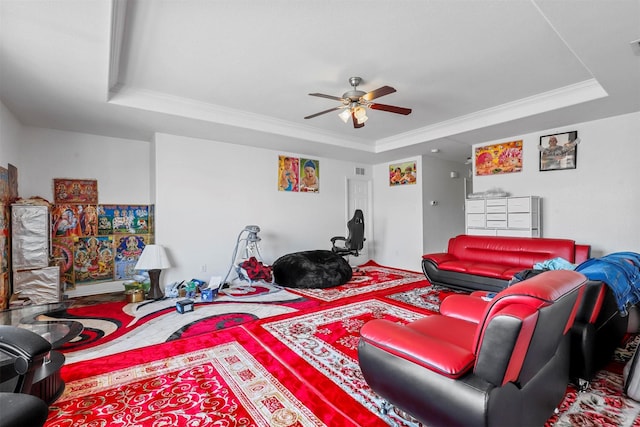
point(10, 131)
point(207, 192)
point(397, 217)
point(597, 203)
point(121, 166)
point(445, 219)
point(406, 224)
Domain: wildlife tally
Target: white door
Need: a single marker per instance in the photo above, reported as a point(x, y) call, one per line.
point(358, 197)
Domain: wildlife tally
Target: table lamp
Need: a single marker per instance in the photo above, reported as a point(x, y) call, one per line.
point(154, 260)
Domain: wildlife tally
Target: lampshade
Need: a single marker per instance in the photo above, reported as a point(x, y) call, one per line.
point(345, 115)
point(153, 257)
point(360, 114)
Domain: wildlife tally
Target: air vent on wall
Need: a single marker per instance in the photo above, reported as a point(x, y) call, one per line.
point(359, 171)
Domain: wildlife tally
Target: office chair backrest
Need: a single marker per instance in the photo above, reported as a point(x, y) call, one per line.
point(355, 240)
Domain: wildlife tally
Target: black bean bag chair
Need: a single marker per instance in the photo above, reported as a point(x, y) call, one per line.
point(311, 269)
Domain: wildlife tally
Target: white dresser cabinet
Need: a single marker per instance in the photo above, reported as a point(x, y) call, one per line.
point(504, 216)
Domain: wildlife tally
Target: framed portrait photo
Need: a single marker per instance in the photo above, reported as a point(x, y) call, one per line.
point(559, 151)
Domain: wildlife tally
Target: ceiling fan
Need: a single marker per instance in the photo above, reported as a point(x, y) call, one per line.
point(355, 102)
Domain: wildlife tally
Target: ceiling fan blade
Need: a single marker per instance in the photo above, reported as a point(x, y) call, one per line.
point(390, 108)
point(324, 112)
point(381, 91)
point(322, 95)
point(355, 121)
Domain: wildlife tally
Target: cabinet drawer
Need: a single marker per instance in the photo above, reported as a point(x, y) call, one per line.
point(480, 232)
point(496, 224)
point(475, 206)
point(518, 233)
point(497, 217)
point(520, 220)
point(496, 202)
point(519, 204)
point(497, 209)
point(475, 220)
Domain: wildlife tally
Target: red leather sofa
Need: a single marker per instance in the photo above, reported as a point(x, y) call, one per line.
point(502, 362)
point(489, 262)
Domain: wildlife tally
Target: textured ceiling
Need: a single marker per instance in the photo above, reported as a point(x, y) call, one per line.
point(241, 71)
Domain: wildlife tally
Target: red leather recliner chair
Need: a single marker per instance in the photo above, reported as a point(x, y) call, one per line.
point(597, 331)
point(503, 362)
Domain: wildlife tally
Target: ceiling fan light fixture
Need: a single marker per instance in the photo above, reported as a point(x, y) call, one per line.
point(345, 115)
point(360, 114)
point(355, 103)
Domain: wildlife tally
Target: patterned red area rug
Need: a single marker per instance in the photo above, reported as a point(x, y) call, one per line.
point(368, 279)
point(121, 326)
point(325, 341)
point(119, 320)
point(323, 345)
point(604, 404)
point(294, 365)
point(226, 380)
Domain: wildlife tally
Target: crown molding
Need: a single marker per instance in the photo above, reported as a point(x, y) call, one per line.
point(197, 110)
point(118, 21)
point(566, 96)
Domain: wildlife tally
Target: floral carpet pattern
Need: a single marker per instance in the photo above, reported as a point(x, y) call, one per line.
point(328, 341)
point(221, 384)
point(604, 404)
point(369, 278)
point(290, 361)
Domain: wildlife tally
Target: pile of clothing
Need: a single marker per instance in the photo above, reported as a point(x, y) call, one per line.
point(619, 270)
point(253, 270)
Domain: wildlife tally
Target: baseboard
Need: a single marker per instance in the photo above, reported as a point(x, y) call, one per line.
point(95, 289)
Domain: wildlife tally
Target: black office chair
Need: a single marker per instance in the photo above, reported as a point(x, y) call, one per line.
point(22, 352)
point(354, 242)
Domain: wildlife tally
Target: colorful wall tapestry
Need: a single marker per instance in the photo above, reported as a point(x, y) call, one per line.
point(403, 173)
point(128, 250)
point(75, 191)
point(123, 219)
point(62, 251)
point(499, 158)
point(13, 182)
point(93, 259)
point(6, 197)
point(98, 243)
point(4, 185)
point(5, 262)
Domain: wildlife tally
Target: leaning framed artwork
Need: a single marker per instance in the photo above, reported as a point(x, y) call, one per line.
point(558, 151)
point(82, 191)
